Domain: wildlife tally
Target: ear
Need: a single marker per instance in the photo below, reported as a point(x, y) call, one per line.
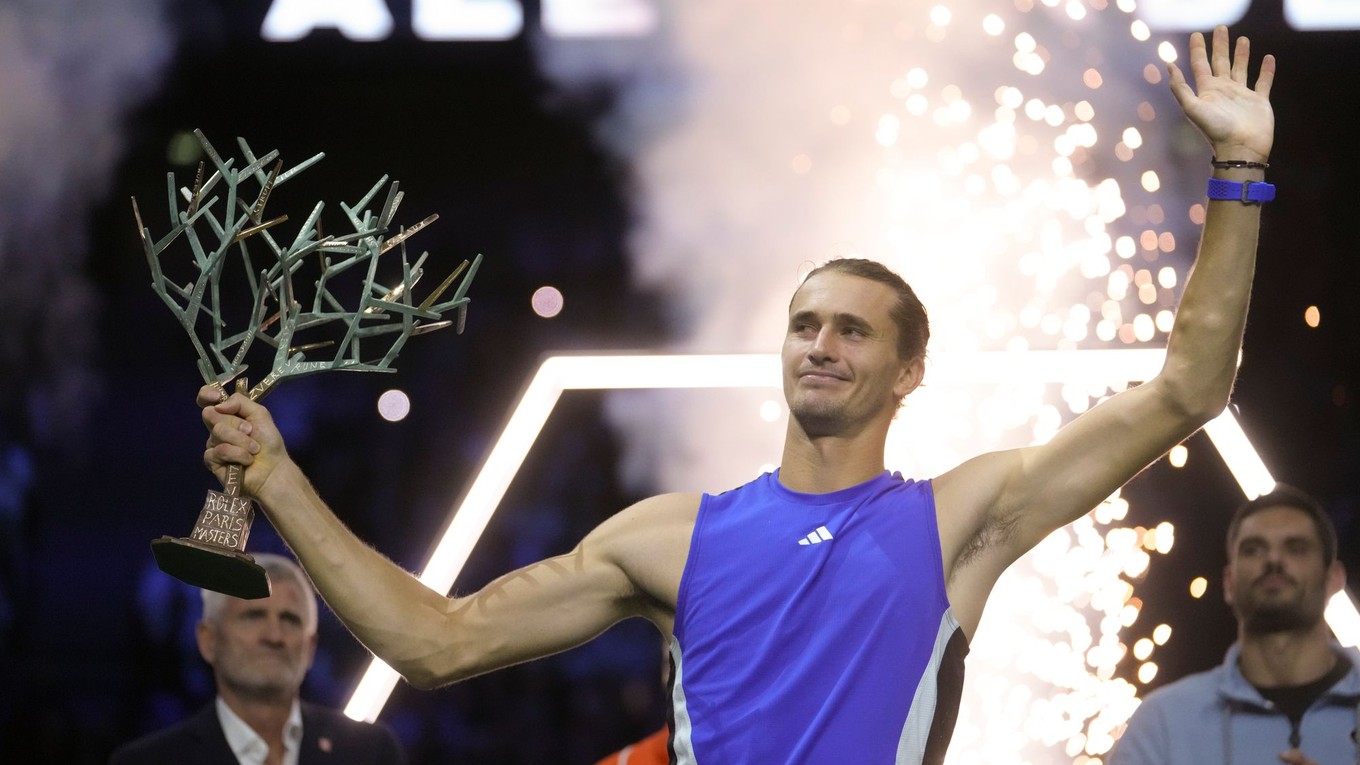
point(1228, 584)
point(207, 641)
point(909, 376)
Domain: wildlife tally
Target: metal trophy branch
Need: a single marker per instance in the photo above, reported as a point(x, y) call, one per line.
point(342, 319)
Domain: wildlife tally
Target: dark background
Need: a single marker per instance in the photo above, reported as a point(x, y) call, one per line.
point(96, 645)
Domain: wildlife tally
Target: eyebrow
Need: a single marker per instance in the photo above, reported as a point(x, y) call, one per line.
point(843, 317)
point(1290, 538)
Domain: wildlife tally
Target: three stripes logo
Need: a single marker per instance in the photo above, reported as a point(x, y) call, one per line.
point(817, 537)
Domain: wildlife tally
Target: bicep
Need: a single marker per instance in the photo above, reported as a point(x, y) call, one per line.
point(1086, 461)
point(552, 605)
point(538, 610)
point(999, 505)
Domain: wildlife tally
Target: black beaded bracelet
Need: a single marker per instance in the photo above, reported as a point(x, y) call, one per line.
point(1223, 164)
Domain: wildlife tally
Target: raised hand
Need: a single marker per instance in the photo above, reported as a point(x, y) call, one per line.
point(1235, 118)
point(240, 432)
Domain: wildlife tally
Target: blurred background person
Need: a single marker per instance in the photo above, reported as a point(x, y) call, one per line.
point(260, 651)
point(1285, 686)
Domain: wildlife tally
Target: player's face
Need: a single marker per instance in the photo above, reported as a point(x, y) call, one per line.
point(261, 648)
point(1277, 578)
point(841, 366)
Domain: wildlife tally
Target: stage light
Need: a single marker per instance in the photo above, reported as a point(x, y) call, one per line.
point(1344, 619)
point(1239, 455)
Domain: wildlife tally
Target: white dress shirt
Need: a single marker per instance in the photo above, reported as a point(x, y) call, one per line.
point(249, 747)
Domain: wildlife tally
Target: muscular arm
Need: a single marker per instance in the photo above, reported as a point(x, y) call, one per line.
point(628, 566)
point(996, 507)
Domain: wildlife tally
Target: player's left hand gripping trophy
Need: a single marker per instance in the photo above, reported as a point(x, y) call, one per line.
point(343, 318)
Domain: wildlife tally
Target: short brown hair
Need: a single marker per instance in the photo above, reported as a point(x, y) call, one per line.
point(913, 327)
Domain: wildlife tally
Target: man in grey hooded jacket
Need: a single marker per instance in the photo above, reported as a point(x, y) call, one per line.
point(1286, 691)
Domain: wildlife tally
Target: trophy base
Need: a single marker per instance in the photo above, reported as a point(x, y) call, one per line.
point(212, 568)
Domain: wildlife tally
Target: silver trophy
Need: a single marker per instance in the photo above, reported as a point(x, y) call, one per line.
point(340, 318)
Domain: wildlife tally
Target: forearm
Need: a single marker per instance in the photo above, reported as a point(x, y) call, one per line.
point(395, 616)
point(1202, 351)
point(433, 640)
point(1237, 121)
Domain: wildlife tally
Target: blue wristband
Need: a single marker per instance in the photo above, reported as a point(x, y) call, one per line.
point(1246, 192)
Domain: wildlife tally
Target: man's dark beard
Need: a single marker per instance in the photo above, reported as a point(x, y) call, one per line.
point(1258, 619)
point(1285, 617)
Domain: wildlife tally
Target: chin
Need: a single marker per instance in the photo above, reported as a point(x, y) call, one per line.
point(1270, 620)
point(819, 422)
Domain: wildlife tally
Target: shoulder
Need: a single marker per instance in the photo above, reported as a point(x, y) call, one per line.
point(169, 744)
point(1199, 685)
point(665, 517)
point(678, 505)
point(974, 486)
point(647, 543)
point(359, 742)
point(1183, 700)
point(1166, 727)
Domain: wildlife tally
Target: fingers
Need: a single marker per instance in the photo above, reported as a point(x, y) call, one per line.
point(230, 437)
point(1199, 60)
point(1222, 65)
point(1179, 87)
point(1206, 64)
point(210, 394)
point(1241, 57)
point(1266, 78)
point(230, 429)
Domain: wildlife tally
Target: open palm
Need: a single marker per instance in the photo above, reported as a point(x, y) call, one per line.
point(1235, 118)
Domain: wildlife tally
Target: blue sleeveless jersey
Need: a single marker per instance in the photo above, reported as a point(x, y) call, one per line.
point(814, 628)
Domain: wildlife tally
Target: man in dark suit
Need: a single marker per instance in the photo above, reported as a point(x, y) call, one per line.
point(260, 651)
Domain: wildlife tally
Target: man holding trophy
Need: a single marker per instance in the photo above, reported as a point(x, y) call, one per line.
point(783, 649)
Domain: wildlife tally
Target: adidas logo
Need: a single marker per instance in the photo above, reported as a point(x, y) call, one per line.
point(817, 537)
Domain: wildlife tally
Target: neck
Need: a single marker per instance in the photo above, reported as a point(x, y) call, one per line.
point(817, 465)
point(1295, 657)
point(266, 716)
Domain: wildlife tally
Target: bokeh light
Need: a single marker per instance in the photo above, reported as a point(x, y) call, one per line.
point(394, 405)
point(1198, 586)
point(547, 301)
point(1178, 455)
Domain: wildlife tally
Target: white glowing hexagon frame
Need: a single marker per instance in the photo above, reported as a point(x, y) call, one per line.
point(558, 374)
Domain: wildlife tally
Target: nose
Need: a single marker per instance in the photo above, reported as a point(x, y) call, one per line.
point(1275, 559)
point(823, 347)
point(273, 631)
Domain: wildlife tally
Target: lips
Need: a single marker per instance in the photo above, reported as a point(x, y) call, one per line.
point(821, 374)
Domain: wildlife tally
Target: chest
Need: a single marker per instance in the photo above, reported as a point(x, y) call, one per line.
point(803, 566)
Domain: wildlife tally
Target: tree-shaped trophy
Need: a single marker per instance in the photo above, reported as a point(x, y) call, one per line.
point(343, 319)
